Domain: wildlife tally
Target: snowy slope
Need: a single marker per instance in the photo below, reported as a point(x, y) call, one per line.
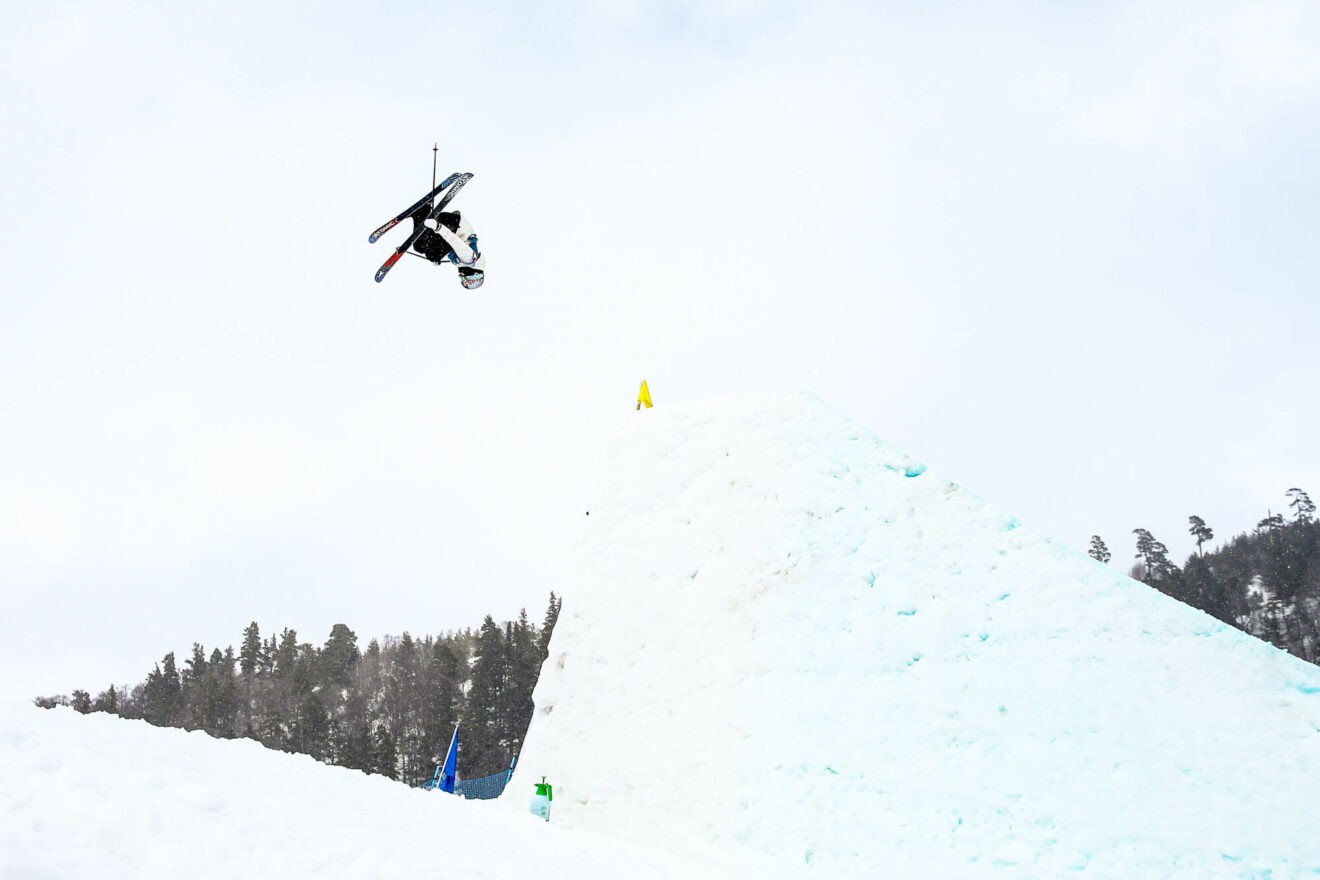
point(99, 797)
point(790, 651)
point(787, 638)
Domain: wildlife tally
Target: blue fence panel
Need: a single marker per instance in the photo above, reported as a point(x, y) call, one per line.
point(484, 788)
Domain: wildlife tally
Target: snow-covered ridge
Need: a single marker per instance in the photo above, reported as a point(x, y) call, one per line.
point(788, 637)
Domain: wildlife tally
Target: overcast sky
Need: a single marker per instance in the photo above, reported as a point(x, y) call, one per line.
point(1063, 253)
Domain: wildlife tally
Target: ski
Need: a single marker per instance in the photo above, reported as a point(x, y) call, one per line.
point(458, 181)
point(453, 191)
point(390, 224)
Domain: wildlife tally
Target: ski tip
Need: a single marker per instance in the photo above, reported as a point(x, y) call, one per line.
point(376, 236)
point(388, 264)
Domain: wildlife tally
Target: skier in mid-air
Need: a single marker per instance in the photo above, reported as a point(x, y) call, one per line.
point(438, 235)
point(448, 238)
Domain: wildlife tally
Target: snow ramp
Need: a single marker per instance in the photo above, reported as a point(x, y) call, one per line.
point(787, 638)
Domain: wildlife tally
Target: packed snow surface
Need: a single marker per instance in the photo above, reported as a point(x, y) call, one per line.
point(790, 638)
point(96, 796)
point(790, 651)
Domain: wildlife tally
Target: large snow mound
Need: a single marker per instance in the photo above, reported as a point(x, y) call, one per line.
point(788, 637)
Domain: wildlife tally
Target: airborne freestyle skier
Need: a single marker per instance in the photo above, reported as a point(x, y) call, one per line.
point(438, 235)
point(447, 237)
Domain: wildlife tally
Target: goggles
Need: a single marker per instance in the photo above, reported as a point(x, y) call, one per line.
point(471, 278)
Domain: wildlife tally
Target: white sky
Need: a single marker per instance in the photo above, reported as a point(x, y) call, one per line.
point(1064, 255)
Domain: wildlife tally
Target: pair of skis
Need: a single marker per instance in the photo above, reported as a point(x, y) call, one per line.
point(453, 183)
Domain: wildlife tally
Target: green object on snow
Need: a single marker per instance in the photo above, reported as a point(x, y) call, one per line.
point(541, 800)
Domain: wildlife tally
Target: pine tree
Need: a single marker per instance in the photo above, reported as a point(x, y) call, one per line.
point(214, 699)
point(286, 655)
point(1200, 531)
point(249, 655)
point(523, 667)
point(311, 728)
point(1199, 588)
point(402, 707)
point(1303, 508)
point(107, 701)
point(161, 693)
point(385, 759)
point(1271, 523)
point(482, 721)
point(353, 746)
point(1274, 620)
point(1154, 556)
point(339, 656)
point(195, 669)
point(1099, 552)
point(269, 649)
point(440, 694)
point(552, 617)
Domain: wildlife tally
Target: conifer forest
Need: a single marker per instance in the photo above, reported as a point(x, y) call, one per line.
point(387, 708)
point(1265, 582)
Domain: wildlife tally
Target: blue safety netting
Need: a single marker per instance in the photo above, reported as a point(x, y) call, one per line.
point(483, 788)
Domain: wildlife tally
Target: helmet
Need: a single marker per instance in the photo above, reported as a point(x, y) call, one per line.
point(470, 278)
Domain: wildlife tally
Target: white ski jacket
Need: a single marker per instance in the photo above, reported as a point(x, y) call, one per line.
point(464, 243)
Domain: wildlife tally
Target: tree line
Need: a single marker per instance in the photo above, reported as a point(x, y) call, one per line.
point(1265, 582)
point(389, 709)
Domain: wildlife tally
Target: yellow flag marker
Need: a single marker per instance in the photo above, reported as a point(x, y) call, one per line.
point(644, 396)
